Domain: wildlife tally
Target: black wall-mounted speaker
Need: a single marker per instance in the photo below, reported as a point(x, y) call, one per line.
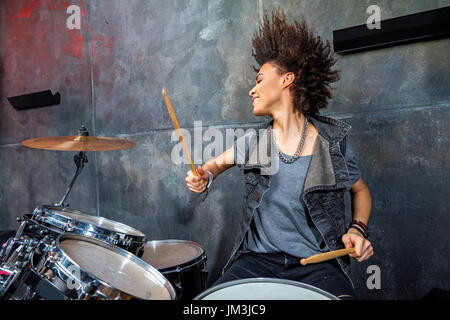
point(427, 25)
point(35, 100)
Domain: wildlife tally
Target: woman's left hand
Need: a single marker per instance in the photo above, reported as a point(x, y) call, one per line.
point(363, 247)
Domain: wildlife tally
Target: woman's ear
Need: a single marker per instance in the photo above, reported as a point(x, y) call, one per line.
point(288, 79)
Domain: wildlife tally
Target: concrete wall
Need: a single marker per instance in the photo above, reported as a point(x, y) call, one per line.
point(110, 74)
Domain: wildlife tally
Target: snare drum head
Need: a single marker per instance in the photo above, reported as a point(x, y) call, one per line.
point(94, 220)
point(116, 267)
point(163, 254)
point(264, 289)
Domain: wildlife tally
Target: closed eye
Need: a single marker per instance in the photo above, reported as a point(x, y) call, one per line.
point(258, 78)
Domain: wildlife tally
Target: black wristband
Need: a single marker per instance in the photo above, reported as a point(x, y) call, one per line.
point(364, 234)
point(359, 223)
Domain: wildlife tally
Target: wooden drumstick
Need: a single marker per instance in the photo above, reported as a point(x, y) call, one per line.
point(176, 125)
point(327, 256)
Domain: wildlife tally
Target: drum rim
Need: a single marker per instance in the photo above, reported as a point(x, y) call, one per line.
point(139, 237)
point(179, 267)
point(264, 280)
point(147, 267)
point(138, 233)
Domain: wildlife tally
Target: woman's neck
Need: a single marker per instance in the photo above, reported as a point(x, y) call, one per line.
point(288, 125)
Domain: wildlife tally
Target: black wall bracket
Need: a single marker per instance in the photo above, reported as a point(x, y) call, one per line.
point(427, 25)
point(35, 100)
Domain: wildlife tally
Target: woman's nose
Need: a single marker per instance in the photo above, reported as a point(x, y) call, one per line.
point(252, 92)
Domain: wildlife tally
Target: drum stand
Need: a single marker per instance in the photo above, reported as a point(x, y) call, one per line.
point(80, 159)
point(14, 263)
point(22, 256)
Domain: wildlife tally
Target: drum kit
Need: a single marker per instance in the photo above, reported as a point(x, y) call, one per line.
point(62, 253)
point(59, 253)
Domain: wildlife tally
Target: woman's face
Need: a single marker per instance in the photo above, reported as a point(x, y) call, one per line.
point(266, 94)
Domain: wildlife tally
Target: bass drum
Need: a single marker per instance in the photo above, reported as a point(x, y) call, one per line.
point(264, 289)
point(182, 262)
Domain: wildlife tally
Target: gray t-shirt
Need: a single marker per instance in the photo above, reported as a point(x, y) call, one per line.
point(280, 223)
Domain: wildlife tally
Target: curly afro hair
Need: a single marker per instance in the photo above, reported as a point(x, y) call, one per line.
point(293, 48)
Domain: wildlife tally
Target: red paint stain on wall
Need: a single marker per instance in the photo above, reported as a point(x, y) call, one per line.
point(47, 43)
point(53, 5)
point(100, 41)
point(26, 11)
point(110, 44)
point(75, 45)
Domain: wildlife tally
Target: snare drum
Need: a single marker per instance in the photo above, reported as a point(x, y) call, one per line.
point(182, 262)
point(264, 289)
point(80, 267)
point(73, 221)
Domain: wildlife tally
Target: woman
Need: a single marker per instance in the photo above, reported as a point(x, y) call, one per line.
point(297, 210)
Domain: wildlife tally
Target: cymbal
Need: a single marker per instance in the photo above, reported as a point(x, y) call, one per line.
point(79, 143)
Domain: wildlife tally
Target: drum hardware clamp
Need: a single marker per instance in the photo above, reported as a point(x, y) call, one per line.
point(113, 238)
point(32, 228)
point(48, 274)
point(23, 255)
point(48, 241)
point(127, 241)
point(20, 264)
point(54, 256)
point(37, 211)
point(91, 287)
point(6, 252)
point(69, 226)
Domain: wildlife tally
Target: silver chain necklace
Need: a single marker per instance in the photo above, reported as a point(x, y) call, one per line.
point(299, 148)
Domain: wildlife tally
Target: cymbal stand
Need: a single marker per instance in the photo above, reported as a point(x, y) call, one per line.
point(80, 159)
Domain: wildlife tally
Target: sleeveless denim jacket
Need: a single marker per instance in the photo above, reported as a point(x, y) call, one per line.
point(325, 185)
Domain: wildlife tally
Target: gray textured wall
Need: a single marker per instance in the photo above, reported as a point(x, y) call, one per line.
point(110, 74)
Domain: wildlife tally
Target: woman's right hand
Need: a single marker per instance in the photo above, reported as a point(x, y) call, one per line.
point(198, 183)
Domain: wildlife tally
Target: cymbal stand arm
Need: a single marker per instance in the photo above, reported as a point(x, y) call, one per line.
point(80, 159)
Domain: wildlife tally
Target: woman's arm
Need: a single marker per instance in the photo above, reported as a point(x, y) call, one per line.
point(216, 166)
point(361, 201)
point(361, 207)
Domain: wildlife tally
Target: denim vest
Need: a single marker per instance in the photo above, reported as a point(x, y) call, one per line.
point(326, 182)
